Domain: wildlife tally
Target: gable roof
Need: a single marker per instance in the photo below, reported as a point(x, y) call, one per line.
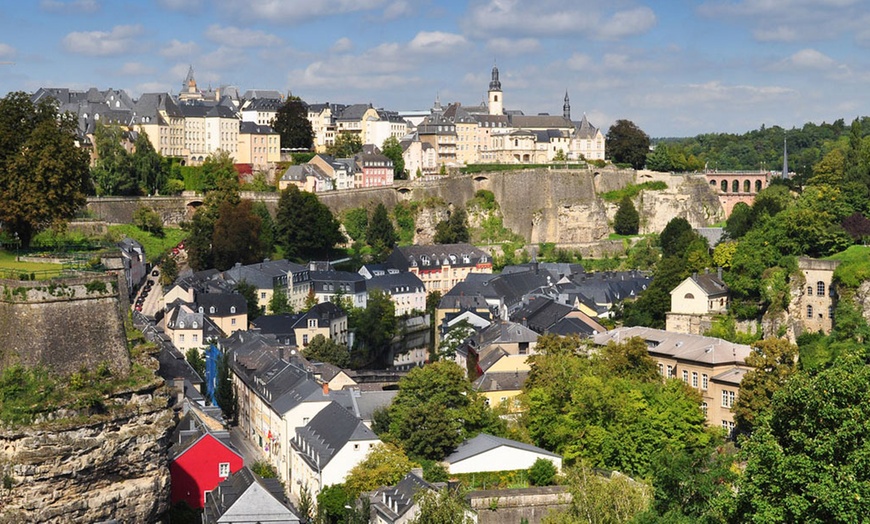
point(681, 346)
point(328, 432)
point(710, 284)
point(392, 502)
point(193, 427)
point(501, 381)
point(486, 442)
point(247, 497)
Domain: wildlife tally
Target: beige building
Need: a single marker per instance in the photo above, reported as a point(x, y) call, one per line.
point(440, 266)
point(712, 366)
point(159, 117)
point(695, 301)
point(814, 306)
point(259, 146)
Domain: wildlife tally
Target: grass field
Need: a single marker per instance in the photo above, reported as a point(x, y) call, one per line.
point(11, 268)
point(154, 246)
point(854, 266)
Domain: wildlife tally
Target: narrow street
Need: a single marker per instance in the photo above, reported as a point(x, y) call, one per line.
point(249, 452)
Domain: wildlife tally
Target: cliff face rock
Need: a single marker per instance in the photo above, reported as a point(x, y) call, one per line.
point(425, 221)
point(110, 467)
point(687, 196)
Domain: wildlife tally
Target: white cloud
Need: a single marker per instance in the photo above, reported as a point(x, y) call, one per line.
point(136, 69)
point(237, 37)
point(7, 51)
point(121, 39)
point(190, 6)
point(436, 42)
point(596, 20)
point(342, 45)
point(578, 61)
point(509, 46)
point(777, 34)
point(715, 94)
point(810, 59)
point(176, 49)
point(397, 9)
point(74, 6)
point(628, 23)
point(295, 11)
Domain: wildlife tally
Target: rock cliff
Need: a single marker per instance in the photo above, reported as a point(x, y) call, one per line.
point(90, 469)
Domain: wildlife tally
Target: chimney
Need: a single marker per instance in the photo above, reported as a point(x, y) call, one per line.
point(719, 272)
point(178, 386)
point(326, 388)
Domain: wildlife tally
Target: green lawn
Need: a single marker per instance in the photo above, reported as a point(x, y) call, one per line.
point(154, 246)
point(854, 266)
point(11, 268)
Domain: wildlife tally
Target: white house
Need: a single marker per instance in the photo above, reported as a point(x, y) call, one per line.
point(489, 453)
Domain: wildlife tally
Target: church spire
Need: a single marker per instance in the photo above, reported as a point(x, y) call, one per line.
point(495, 84)
point(566, 107)
point(785, 158)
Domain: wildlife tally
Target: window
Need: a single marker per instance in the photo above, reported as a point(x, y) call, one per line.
point(661, 370)
point(810, 311)
point(820, 288)
point(810, 290)
point(211, 310)
point(694, 379)
point(704, 407)
point(224, 469)
point(727, 398)
point(312, 322)
point(195, 338)
point(262, 295)
point(181, 338)
point(232, 322)
point(685, 376)
point(356, 447)
point(704, 381)
point(305, 340)
point(670, 371)
point(728, 426)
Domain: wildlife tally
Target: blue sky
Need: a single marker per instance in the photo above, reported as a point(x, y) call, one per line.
point(674, 67)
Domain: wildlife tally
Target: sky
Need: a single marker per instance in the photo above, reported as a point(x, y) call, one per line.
point(675, 68)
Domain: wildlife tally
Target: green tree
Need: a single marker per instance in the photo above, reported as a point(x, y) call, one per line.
point(443, 507)
point(393, 150)
point(385, 465)
point(598, 498)
point(356, 223)
point(346, 145)
point(806, 459)
point(113, 170)
point(435, 409)
point(305, 227)
point(454, 230)
point(279, 303)
point(149, 167)
point(676, 237)
point(739, 221)
point(194, 358)
point(375, 326)
point(331, 502)
point(560, 156)
point(626, 144)
point(225, 394)
point(627, 219)
point(267, 228)
point(542, 472)
point(380, 235)
point(216, 170)
point(653, 304)
point(38, 152)
point(236, 236)
point(773, 363)
point(453, 339)
point(322, 349)
point(169, 270)
point(291, 122)
point(148, 220)
point(248, 291)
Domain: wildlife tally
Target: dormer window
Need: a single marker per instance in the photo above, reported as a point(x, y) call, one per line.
point(211, 310)
point(195, 325)
point(181, 325)
point(232, 309)
point(200, 309)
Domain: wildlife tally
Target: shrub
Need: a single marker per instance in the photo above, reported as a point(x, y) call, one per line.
point(542, 472)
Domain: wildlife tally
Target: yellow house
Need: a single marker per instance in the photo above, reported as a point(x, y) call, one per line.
point(259, 146)
point(816, 300)
point(695, 301)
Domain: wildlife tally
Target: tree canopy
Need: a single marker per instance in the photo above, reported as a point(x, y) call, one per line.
point(345, 146)
point(305, 227)
point(44, 176)
point(454, 230)
point(627, 219)
point(393, 150)
point(291, 122)
point(626, 144)
point(381, 235)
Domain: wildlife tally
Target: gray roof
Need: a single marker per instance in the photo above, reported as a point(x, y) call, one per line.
point(396, 283)
point(584, 129)
point(540, 313)
point(247, 497)
point(710, 283)
point(501, 381)
point(437, 254)
point(192, 428)
point(224, 304)
point(353, 112)
point(252, 94)
point(252, 128)
point(541, 122)
point(328, 432)
point(502, 332)
point(713, 235)
point(485, 442)
point(392, 502)
point(681, 346)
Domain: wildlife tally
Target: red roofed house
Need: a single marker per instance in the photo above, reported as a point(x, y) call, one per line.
point(200, 458)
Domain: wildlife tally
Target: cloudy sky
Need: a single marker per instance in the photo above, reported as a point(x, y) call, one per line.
point(674, 67)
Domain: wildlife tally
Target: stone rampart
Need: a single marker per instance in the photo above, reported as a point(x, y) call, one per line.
point(513, 505)
point(64, 324)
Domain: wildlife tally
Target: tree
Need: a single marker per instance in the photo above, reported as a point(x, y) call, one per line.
point(236, 236)
point(194, 358)
point(393, 150)
point(385, 465)
point(216, 170)
point(112, 171)
point(560, 156)
point(291, 122)
point(322, 349)
point(225, 394)
point(169, 270)
point(44, 176)
point(627, 144)
point(375, 326)
point(331, 504)
point(443, 507)
point(806, 459)
point(305, 227)
point(381, 236)
point(267, 228)
point(345, 146)
point(435, 409)
point(675, 237)
point(773, 363)
point(857, 226)
point(148, 220)
point(454, 230)
point(279, 303)
point(542, 472)
point(739, 221)
point(599, 498)
point(250, 293)
point(149, 168)
point(356, 223)
point(454, 338)
point(627, 220)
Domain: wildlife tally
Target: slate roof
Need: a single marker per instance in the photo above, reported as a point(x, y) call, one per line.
point(252, 128)
point(713, 235)
point(584, 129)
point(328, 432)
point(540, 313)
point(710, 283)
point(192, 427)
point(223, 304)
point(172, 364)
point(253, 94)
point(392, 502)
point(355, 282)
point(396, 283)
point(405, 257)
point(263, 275)
point(576, 326)
point(262, 104)
point(502, 332)
point(353, 112)
point(486, 442)
point(501, 381)
point(280, 326)
point(733, 376)
point(680, 346)
point(541, 121)
point(247, 497)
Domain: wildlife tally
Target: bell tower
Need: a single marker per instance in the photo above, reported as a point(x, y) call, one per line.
point(566, 108)
point(496, 102)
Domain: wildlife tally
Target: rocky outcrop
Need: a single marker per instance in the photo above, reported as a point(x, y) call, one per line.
point(106, 467)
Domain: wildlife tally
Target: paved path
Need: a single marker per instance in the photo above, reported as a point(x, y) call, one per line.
point(248, 450)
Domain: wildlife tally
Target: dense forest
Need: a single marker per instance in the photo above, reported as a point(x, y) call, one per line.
point(760, 149)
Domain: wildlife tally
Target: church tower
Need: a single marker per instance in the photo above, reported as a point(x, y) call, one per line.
point(496, 103)
point(566, 108)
